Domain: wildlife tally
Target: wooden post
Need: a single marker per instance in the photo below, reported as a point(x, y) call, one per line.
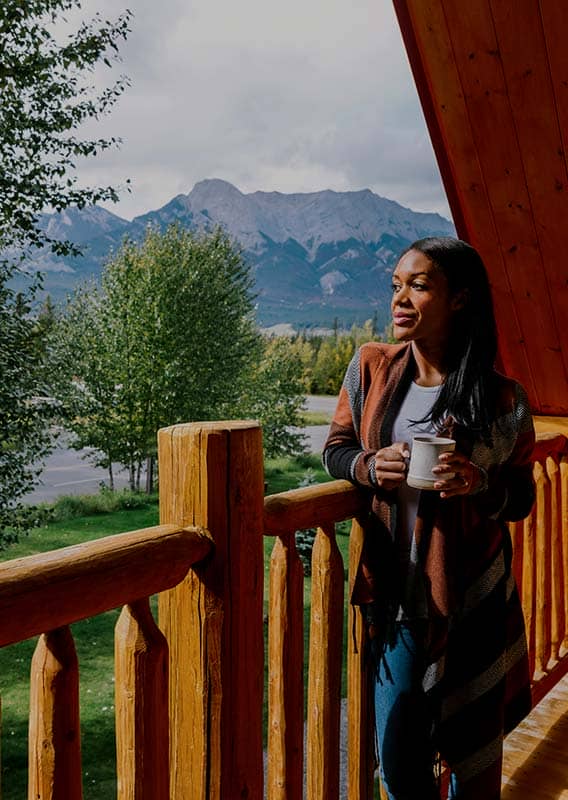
point(285, 774)
point(360, 716)
point(557, 622)
point(564, 523)
point(542, 627)
point(141, 689)
point(324, 681)
point(54, 738)
point(528, 599)
point(211, 475)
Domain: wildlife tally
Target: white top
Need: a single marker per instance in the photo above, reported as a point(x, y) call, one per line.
point(416, 405)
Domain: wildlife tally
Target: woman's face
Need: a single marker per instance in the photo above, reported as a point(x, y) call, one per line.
point(422, 307)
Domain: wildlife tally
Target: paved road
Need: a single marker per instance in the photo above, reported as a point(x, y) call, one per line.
point(317, 434)
point(324, 403)
point(70, 472)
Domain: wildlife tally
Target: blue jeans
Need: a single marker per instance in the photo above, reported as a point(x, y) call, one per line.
point(404, 719)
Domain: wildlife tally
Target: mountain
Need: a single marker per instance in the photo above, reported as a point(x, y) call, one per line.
point(315, 256)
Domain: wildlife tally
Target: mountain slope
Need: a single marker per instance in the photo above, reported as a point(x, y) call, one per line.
point(315, 256)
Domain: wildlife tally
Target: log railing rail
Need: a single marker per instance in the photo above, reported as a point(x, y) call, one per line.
point(43, 595)
point(207, 655)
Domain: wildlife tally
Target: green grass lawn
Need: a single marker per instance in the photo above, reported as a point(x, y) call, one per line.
point(316, 418)
point(94, 642)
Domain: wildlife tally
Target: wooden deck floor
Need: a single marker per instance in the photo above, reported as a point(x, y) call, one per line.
point(536, 753)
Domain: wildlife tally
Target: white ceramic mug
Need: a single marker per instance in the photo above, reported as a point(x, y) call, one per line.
point(423, 457)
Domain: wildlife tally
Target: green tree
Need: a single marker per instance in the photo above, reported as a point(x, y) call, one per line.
point(273, 392)
point(331, 362)
point(25, 411)
point(45, 96)
point(326, 358)
point(89, 386)
point(169, 337)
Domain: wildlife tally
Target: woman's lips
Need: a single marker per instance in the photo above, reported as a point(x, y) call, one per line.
point(402, 319)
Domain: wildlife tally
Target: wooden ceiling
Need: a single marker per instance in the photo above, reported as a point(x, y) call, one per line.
point(492, 76)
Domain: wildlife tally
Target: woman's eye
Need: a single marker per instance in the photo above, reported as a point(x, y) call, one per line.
point(395, 287)
point(420, 286)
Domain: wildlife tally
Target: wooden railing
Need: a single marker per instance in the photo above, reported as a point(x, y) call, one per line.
point(213, 519)
point(541, 567)
point(43, 595)
point(540, 564)
point(285, 513)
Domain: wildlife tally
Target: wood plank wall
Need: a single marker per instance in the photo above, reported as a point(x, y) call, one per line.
point(492, 76)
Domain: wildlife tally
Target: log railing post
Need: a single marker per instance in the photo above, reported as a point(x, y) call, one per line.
point(54, 737)
point(557, 622)
point(542, 555)
point(324, 681)
point(564, 557)
point(211, 475)
point(141, 690)
point(528, 583)
point(285, 773)
point(360, 724)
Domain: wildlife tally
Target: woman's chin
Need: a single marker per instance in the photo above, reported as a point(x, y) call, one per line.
point(402, 334)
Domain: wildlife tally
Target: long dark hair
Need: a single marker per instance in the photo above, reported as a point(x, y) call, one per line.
point(468, 392)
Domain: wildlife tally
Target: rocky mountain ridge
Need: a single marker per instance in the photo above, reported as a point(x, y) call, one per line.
point(315, 256)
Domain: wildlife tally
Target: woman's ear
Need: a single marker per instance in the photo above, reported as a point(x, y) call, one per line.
point(460, 299)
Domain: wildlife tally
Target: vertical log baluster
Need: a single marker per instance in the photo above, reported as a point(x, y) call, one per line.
point(557, 622)
point(564, 527)
point(324, 682)
point(285, 775)
point(542, 626)
point(360, 726)
point(528, 598)
point(516, 530)
point(141, 689)
point(54, 733)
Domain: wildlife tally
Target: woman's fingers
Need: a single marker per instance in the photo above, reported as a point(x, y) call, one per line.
point(391, 465)
point(391, 459)
point(462, 472)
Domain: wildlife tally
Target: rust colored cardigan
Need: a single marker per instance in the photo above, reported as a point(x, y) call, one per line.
point(477, 666)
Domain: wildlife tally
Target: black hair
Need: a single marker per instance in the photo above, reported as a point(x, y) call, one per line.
point(468, 392)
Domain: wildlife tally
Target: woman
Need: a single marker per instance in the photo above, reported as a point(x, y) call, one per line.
point(434, 579)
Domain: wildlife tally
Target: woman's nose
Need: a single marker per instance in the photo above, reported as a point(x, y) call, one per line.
point(400, 297)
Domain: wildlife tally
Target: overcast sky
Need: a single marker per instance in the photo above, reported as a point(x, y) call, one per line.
point(293, 97)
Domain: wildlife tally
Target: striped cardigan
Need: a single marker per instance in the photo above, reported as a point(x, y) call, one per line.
point(477, 668)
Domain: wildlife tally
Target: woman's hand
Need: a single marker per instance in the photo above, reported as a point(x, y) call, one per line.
point(391, 464)
point(467, 476)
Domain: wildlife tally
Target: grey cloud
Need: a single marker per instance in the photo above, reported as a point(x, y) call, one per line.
point(301, 96)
